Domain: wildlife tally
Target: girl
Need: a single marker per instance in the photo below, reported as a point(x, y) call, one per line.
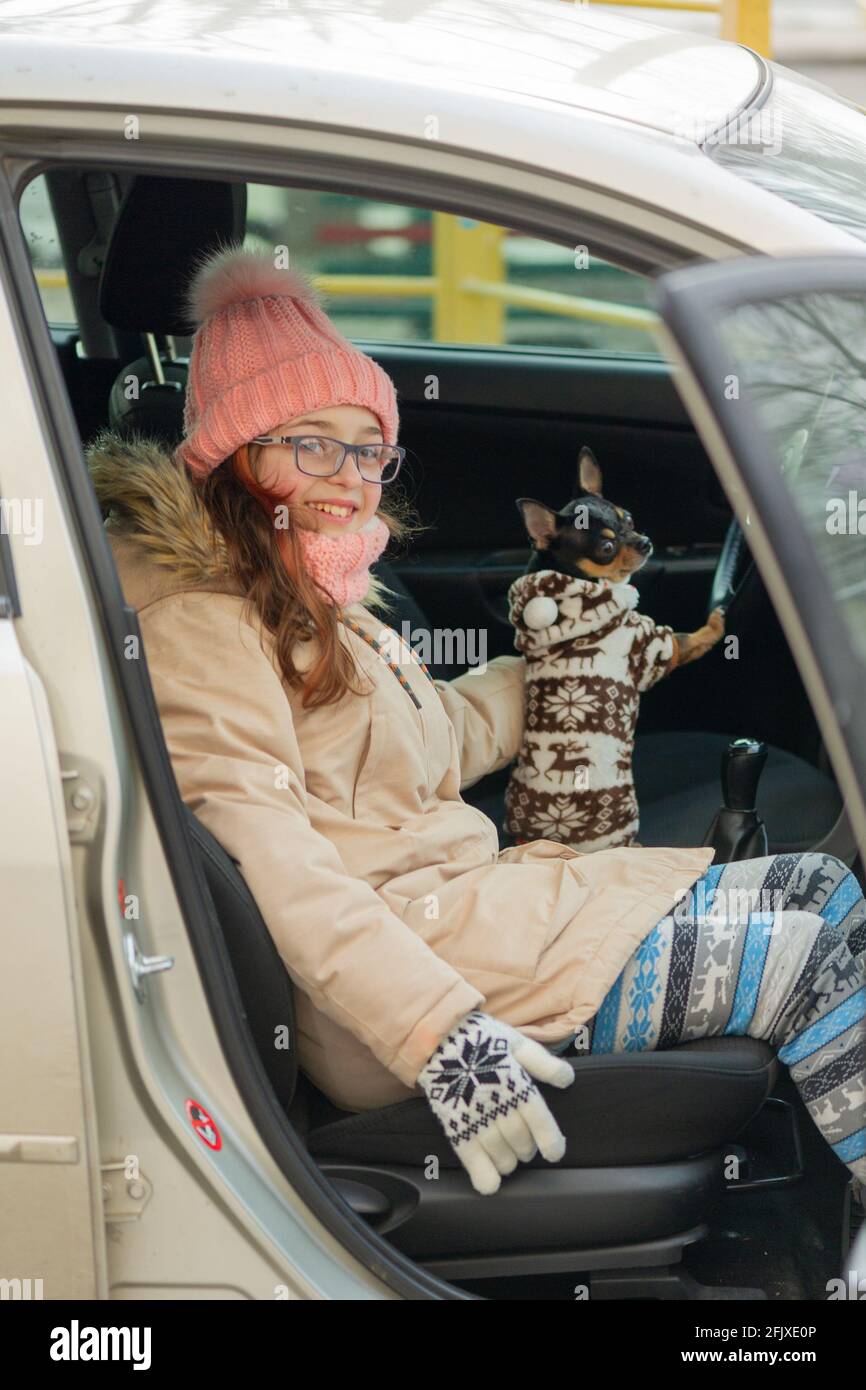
point(327, 761)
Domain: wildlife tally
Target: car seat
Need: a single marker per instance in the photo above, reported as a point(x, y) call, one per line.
point(647, 1135)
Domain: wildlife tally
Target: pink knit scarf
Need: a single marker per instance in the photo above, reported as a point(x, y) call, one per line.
point(340, 565)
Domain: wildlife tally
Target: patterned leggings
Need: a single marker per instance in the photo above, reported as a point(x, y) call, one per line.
point(771, 948)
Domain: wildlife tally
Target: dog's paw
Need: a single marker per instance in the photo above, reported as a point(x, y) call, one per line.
point(716, 622)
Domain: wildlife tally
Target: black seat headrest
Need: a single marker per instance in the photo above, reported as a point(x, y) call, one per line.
point(163, 228)
point(152, 409)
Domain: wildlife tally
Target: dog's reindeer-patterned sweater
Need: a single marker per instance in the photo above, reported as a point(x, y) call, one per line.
point(589, 655)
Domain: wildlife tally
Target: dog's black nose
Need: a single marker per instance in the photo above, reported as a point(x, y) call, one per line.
point(643, 544)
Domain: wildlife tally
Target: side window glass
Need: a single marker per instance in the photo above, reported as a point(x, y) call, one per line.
point(404, 274)
point(43, 243)
point(798, 358)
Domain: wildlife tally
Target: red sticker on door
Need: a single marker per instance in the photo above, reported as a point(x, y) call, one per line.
point(203, 1125)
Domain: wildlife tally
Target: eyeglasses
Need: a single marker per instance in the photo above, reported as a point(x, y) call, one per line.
point(321, 457)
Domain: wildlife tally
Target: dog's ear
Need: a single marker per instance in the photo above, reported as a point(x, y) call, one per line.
point(588, 473)
point(539, 520)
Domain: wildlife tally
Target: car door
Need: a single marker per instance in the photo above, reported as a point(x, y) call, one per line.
point(51, 1229)
point(772, 359)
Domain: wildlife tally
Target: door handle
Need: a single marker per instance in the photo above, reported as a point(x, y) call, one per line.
point(141, 966)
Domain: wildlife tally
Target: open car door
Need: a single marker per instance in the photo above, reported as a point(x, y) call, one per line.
point(772, 367)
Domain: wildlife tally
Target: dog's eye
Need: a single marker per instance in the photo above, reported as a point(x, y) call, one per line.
point(606, 547)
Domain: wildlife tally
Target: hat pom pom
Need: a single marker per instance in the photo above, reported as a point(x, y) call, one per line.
point(233, 274)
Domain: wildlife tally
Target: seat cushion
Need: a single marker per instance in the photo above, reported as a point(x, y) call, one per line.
point(679, 790)
point(648, 1107)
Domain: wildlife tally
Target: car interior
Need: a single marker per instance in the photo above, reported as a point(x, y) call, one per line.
point(693, 1173)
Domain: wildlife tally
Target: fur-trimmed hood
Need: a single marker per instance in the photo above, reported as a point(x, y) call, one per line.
point(160, 531)
point(149, 499)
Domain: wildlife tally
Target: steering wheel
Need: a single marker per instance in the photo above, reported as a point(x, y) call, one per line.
point(736, 578)
point(734, 568)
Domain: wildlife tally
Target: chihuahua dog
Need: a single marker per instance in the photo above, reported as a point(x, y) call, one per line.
point(589, 656)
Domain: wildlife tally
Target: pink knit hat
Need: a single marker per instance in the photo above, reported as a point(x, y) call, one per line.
point(264, 352)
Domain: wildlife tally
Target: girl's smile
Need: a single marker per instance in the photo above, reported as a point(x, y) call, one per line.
point(344, 501)
point(337, 509)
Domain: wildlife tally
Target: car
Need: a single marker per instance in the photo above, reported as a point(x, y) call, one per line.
point(702, 212)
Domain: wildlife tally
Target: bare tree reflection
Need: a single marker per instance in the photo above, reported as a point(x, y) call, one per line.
point(800, 364)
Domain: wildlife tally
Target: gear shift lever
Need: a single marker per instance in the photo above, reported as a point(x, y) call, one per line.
point(737, 832)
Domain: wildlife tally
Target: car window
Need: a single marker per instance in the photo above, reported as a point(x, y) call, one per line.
point(43, 243)
point(806, 144)
point(406, 274)
point(799, 361)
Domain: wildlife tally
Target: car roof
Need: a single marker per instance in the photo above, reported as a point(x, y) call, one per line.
point(519, 51)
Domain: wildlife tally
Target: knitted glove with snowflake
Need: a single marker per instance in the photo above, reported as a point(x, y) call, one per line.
point(480, 1088)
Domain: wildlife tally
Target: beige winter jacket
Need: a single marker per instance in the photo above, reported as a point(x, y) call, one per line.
point(389, 901)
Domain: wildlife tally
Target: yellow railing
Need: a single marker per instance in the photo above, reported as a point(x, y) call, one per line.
point(51, 279)
point(470, 293)
point(468, 288)
point(471, 309)
point(569, 305)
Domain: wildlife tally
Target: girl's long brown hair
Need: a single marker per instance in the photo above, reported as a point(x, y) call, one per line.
point(266, 562)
